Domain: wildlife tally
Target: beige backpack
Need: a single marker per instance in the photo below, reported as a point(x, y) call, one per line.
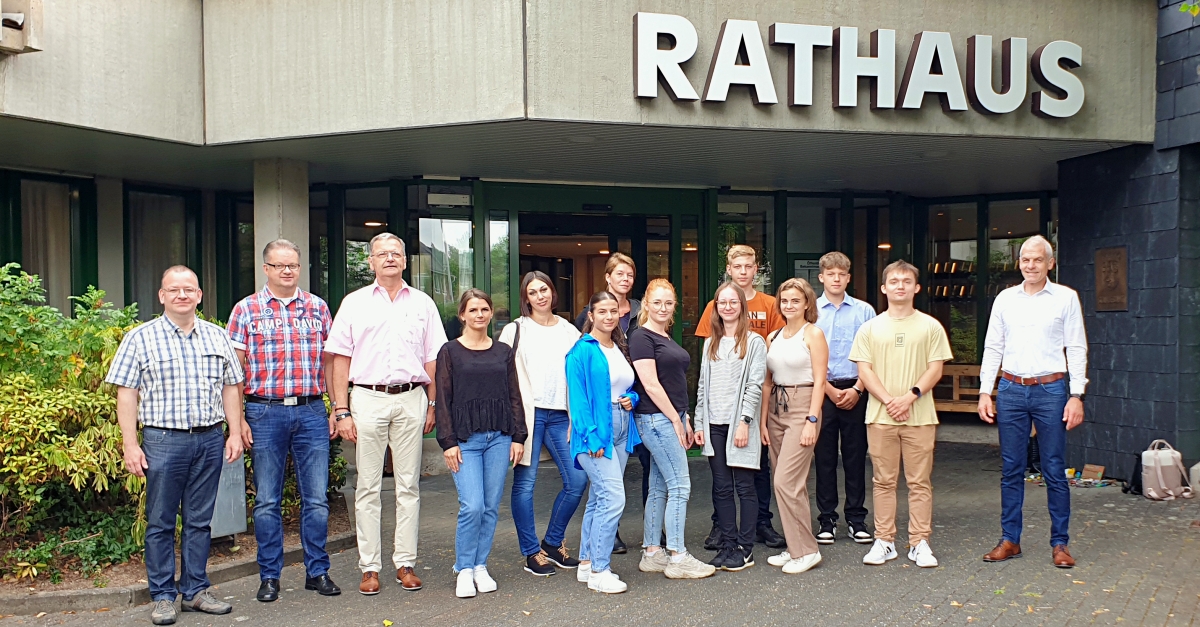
point(1163, 475)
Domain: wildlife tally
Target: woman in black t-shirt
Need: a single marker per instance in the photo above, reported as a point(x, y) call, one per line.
point(661, 417)
point(481, 428)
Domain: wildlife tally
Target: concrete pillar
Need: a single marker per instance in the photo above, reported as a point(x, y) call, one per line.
point(280, 210)
point(110, 238)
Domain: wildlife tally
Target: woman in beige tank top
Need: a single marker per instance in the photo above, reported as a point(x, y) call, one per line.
point(797, 359)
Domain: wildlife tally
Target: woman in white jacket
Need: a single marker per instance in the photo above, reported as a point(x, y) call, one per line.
point(541, 341)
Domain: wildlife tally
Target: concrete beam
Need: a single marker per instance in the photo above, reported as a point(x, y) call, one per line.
point(280, 210)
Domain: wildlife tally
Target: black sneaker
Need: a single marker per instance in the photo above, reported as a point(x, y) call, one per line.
point(539, 564)
point(713, 541)
point(767, 535)
point(559, 555)
point(718, 562)
point(827, 534)
point(619, 547)
point(740, 558)
point(858, 532)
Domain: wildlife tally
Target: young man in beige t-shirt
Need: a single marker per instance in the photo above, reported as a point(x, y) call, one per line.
point(900, 354)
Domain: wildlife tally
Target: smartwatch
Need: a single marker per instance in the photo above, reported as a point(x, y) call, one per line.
point(916, 390)
point(812, 419)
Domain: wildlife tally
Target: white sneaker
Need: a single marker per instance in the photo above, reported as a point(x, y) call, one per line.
point(801, 564)
point(688, 568)
point(583, 572)
point(484, 581)
point(880, 553)
point(923, 555)
point(466, 584)
point(779, 560)
point(606, 582)
point(655, 562)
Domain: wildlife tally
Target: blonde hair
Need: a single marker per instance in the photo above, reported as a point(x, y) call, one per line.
point(655, 284)
point(617, 259)
point(741, 335)
point(834, 259)
point(740, 250)
point(810, 298)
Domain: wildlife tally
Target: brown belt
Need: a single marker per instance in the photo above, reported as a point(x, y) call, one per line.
point(1046, 378)
point(398, 388)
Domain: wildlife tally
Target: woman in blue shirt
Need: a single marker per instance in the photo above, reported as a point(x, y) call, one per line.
point(599, 399)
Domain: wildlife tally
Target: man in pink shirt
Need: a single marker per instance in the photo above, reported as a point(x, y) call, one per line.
point(384, 341)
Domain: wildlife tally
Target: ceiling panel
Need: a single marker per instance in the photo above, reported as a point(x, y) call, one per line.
point(572, 152)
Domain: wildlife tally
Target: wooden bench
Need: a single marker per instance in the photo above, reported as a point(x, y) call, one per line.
point(959, 387)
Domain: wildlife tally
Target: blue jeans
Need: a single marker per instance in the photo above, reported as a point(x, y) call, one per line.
point(606, 499)
point(1018, 406)
point(550, 427)
point(183, 472)
point(480, 484)
point(303, 430)
point(670, 482)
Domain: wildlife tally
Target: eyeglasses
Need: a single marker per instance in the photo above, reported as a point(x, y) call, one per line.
point(280, 267)
point(728, 304)
point(184, 291)
point(388, 254)
point(661, 304)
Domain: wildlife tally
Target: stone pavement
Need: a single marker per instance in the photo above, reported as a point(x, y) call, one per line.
point(1138, 562)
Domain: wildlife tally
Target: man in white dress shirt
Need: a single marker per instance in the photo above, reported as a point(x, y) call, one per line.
point(1036, 334)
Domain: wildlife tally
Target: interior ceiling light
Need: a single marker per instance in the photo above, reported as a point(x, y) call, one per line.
point(885, 246)
point(604, 251)
point(372, 223)
point(1028, 208)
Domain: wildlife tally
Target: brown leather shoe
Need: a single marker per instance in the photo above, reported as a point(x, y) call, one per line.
point(370, 583)
point(408, 579)
point(1004, 551)
point(1062, 557)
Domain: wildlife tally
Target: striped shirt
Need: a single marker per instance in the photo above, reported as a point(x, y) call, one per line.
point(284, 341)
point(179, 377)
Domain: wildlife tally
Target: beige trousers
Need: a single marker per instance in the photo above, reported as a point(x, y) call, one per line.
point(790, 464)
point(384, 420)
point(888, 446)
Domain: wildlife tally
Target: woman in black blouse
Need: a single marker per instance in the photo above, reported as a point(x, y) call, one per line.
point(480, 427)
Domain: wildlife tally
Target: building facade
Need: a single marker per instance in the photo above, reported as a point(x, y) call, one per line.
point(502, 136)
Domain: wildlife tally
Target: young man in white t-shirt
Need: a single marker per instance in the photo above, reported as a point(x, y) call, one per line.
point(900, 354)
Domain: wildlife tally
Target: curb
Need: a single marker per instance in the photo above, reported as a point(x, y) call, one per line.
point(124, 598)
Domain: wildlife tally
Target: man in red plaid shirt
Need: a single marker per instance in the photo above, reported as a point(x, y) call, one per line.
point(279, 334)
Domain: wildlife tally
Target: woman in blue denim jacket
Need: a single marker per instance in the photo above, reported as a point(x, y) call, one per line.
point(599, 399)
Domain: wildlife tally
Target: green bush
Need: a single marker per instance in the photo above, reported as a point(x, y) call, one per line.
point(66, 500)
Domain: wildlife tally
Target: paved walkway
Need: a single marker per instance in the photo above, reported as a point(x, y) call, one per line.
point(1138, 562)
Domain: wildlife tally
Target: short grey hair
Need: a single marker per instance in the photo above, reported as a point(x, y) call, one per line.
point(177, 269)
point(386, 235)
point(280, 243)
point(1038, 239)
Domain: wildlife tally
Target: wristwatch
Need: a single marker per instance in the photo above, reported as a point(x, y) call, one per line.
point(916, 390)
point(433, 403)
point(856, 390)
point(1078, 396)
point(747, 419)
point(812, 419)
point(341, 415)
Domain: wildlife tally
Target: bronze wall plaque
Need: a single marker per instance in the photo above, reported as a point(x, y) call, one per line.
point(1112, 279)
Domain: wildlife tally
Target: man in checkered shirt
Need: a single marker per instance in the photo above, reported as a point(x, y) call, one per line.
point(178, 376)
point(279, 335)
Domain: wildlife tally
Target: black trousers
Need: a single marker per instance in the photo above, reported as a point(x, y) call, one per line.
point(728, 483)
point(762, 485)
point(849, 427)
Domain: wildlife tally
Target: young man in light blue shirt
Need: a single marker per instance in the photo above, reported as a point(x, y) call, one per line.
point(844, 413)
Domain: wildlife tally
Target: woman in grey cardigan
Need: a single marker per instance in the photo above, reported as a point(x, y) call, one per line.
point(728, 402)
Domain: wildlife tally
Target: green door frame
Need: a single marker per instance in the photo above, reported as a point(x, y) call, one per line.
point(613, 202)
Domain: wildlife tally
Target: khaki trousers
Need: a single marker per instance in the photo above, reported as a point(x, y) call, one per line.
point(888, 445)
point(790, 464)
point(384, 420)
